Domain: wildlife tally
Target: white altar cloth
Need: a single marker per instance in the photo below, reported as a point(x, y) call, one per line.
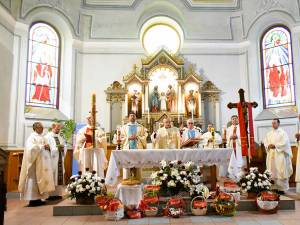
point(151, 158)
point(129, 194)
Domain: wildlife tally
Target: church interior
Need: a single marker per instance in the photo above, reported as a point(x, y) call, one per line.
point(164, 109)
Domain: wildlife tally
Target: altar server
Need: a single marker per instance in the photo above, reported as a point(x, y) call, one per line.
point(58, 150)
point(211, 139)
point(36, 177)
point(167, 137)
point(279, 156)
point(234, 141)
point(89, 158)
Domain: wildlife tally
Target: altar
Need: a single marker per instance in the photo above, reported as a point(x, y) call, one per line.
point(151, 158)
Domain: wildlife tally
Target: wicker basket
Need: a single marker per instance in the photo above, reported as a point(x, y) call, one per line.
point(198, 211)
point(268, 206)
point(225, 207)
point(114, 215)
point(175, 207)
point(151, 212)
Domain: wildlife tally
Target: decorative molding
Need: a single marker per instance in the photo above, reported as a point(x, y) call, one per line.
point(268, 5)
point(210, 92)
point(213, 5)
point(74, 25)
point(115, 92)
point(110, 3)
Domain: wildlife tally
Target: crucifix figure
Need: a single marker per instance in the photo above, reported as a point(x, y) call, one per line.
point(245, 120)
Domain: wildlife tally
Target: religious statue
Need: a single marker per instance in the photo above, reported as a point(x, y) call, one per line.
point(163, 104)
point(135, 102)
point(154, 107)
point(171, 99)
point(192, 104)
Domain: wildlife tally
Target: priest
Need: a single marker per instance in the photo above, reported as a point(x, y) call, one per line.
point(133, 136)
point(234, 141)
point(166, 137)
point(279, 156)
point(36, 177)
point(211, 139)
point(58, 149)
point(190, 135)
point(297, 178)
point(90, 158)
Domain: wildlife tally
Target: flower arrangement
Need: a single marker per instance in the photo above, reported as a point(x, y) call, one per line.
point(86, 186)
point(225, 204)
point(255, 182)
point(176, 176)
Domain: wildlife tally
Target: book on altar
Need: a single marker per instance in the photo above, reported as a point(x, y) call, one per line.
point(189, 143)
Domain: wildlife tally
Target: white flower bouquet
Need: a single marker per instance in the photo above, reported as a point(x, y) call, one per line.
point(255, 182)
point(86, 186)
point(176, 176)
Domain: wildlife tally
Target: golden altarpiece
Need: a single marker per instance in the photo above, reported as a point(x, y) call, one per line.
point(164, 86)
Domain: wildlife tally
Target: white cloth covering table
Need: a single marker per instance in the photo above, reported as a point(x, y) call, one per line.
point(129, 194)
point(151, 158)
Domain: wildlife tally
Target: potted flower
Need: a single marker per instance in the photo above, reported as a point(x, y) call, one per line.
point(84, 187)
point(255, 182)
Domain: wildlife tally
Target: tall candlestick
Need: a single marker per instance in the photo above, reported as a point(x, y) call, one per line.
point(93, 114)
point(148, 116)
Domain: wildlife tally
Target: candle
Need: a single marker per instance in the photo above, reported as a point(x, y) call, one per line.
point(148, 115)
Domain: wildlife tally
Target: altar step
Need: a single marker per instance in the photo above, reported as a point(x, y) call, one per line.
point(70, 208)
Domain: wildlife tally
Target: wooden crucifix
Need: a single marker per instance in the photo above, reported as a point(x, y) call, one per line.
point(245, 120)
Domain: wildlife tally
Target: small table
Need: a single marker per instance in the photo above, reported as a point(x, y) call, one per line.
point(129, 194)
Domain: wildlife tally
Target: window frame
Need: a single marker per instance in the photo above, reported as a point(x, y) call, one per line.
point(59, 49)
point(262, 69)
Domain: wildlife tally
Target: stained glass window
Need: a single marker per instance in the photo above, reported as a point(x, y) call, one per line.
point(277, 67)
point(42, 85)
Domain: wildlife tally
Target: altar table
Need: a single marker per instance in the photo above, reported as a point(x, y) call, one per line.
point(148, 158)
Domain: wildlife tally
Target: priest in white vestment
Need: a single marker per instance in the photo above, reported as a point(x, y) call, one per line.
point(133, 136)
point(191, 133)
point(36, 177)
point(279, 156)
point(234, 141)
point(297, 178)
point(58, 150)
point(211, 139)
point(166, 137)
point(89, 158)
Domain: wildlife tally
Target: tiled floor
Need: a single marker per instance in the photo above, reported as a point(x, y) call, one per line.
point(17, 214)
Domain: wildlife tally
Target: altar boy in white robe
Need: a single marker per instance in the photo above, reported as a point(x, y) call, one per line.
point(211, 139)
point(279, 156)
point(133, 136)
point(234, 141)
point(89, 158)
point(191, 133)
point(36, 177)
point(58, 149)
point(297, 178)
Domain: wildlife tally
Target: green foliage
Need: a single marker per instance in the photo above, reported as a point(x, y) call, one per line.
point(67, 128)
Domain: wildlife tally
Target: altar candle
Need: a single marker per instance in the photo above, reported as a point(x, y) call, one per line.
point(93, 111)
point(148, 115)
point(224, 132)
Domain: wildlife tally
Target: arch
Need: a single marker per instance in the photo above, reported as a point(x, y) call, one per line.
point(277, 70)
point(43, 66)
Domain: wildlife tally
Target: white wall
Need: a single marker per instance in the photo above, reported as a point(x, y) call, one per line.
point(100, 45)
